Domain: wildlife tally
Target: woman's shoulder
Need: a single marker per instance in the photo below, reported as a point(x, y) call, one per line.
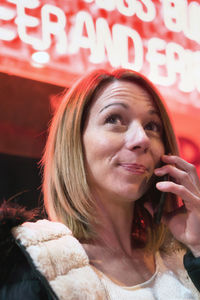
point(50, 245)
point(17, 224)
point(17, 277)
point(47, 243)
point(40, 231)
point(57, 256)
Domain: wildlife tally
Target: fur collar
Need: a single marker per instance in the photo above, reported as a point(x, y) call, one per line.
point(61, 259)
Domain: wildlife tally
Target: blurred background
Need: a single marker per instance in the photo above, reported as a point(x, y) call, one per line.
point(46, 45)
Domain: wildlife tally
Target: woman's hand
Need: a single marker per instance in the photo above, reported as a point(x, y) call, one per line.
point(184, 224)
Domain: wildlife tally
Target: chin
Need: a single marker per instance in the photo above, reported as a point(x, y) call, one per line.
point(134, 191)
point(130, 195)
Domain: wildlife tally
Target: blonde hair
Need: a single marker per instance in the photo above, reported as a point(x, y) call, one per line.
point(67, 195)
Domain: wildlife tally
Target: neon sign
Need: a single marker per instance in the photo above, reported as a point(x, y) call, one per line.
point(158, 38)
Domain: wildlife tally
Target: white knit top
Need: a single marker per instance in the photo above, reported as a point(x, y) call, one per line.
point(163, 285)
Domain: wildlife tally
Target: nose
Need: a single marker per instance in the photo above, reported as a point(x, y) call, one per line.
point(136, 138)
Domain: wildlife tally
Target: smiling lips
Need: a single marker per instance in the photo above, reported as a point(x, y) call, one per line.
point(134, 168)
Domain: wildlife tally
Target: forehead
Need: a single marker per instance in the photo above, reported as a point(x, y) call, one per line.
point(126, 91)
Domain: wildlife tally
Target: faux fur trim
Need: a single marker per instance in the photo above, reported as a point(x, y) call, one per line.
point(61, 259)
point(79, 284)
point(32, 233)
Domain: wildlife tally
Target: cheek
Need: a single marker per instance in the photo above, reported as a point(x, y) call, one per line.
point(158, 151)
point(97, 153)
point(96, 148)
point(100, 145)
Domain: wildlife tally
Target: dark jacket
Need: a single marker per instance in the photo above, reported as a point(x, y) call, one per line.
point(19, 278)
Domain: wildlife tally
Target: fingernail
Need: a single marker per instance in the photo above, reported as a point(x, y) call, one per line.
point(157, 171)
point(160, 185)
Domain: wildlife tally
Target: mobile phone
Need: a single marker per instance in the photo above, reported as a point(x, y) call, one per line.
point(172, 204)
point(160, 207)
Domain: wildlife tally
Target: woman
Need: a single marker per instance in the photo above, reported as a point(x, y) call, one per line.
point(110, 144)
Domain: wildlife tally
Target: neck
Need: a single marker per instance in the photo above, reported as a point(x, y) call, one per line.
point(114, 226)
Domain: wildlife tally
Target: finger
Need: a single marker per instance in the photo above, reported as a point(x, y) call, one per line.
point(170, 219)
point(190, 199)
point(168, 215)
point(180, 176)
point(178, 161)
point(183, 165)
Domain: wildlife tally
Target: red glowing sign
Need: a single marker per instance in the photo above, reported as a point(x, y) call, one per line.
point(57, 41)
point(159, 38)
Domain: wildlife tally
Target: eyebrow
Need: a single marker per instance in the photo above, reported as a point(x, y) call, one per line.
point(151, 111)
point(154, 112)
point(116, 103)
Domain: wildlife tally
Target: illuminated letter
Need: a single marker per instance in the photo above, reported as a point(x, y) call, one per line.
point(57, 28)
point(196, 58)
point(83, 19)
point(104, 42)
point(156, 60)
point(150, 13)
point(23, 20)
point(180, 61)
point(126, 10)
point(175, 14)
point(193, 31)
point(25, 3)
point(108, 5)
point(7, 14)
point(121, 37)
point(176, 60)
point(135, 6)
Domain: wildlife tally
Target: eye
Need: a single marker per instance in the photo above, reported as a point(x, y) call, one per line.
point(153, 126)
point(115, 119)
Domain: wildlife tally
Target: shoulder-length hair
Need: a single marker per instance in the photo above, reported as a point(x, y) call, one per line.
point(67, 195)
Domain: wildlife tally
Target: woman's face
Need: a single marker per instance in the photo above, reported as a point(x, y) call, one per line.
point(122, 142)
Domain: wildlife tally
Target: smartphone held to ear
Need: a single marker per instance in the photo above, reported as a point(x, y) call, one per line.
point(166, 203)
point(160, 207)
